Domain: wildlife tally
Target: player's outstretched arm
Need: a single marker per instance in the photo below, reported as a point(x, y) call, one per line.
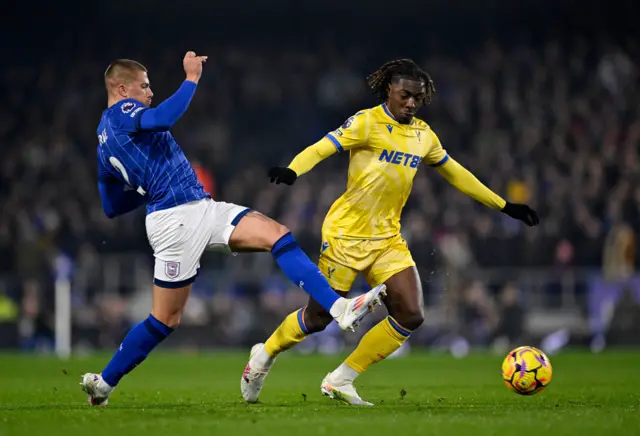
point(467, 183)
point(353, 133)
point(169, 111)
point(115, 200)
point(303, 162)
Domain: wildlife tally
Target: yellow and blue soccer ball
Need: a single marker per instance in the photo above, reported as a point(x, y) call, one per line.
point(526, 370)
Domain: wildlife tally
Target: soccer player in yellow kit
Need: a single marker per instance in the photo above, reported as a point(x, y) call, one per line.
point(361, 232)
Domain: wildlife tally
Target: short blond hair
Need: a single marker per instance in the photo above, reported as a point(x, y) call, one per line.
point(122, 70)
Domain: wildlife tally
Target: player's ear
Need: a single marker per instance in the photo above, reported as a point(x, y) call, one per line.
point(122, 90)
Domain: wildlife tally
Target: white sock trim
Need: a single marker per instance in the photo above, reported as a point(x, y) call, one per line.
point(263, 359)
point(344, 373)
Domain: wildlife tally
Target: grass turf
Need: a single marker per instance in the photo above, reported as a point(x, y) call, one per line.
point(424, 394)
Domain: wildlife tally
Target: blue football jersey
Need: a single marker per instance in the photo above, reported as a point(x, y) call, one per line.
point(150, 162)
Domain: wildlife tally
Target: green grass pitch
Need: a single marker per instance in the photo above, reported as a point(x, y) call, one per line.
point(424, 394)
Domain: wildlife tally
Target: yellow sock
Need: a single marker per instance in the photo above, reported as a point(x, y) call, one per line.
point(291, 332)
point(379, 342)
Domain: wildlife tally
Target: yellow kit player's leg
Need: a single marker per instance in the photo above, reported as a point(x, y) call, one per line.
point(395, 267)
point(389, 335)
point(297, 326)
point(289, 333)
point(379, 343)
point(312, 318)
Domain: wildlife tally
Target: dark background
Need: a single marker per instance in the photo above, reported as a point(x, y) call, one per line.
point(538, 98)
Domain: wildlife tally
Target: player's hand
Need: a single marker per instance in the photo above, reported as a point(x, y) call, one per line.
point(193, 65)
point(282, 175)
point(522, 212)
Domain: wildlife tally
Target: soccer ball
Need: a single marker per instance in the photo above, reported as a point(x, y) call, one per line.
point(526, 370)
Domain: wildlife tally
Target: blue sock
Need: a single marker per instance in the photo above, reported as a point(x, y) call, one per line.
point(134, 349)
point(300, 270)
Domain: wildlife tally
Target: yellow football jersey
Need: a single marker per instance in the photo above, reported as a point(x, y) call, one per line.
point(384, 158)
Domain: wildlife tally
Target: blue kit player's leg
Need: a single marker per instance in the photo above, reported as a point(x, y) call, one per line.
point(255, 232)
point(134, 348)
point(139, 342)
point(178, 237)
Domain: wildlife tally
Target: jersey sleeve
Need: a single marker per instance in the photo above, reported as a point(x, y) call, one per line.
point(127, 115)
point(312, 155)
point(353, 133)
point(436, 155)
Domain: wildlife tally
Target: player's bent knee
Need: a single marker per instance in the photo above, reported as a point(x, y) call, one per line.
point(411, 319)
point(282, 230)
point(271, 235)
point(257, 232)
point(277, 233)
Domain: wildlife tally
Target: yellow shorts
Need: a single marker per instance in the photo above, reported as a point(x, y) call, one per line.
point(342, 259)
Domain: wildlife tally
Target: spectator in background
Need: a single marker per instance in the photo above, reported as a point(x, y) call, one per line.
point(35, 324)
point(205, 178)
point(619, 257)
point(560, 274)
point(618, 280)
point(478, 314)
point(9, 314)
point(511, 316)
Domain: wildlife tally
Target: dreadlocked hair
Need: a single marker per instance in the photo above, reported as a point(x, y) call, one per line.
point(380, 79)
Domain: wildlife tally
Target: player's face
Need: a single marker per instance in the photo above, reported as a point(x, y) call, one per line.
point(139, 89)
point(405, 98)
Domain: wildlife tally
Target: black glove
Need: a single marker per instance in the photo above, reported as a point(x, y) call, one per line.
point(522, 212)
point(282, 175)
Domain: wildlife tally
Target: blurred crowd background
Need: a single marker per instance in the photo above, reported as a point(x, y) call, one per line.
point(540, 100)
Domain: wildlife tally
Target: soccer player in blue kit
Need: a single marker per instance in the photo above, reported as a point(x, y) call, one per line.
point(140, 163)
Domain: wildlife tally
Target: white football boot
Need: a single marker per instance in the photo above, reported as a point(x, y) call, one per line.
point(349, 312)
point(255, 372)
point(97, 389)
point(342, 391)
